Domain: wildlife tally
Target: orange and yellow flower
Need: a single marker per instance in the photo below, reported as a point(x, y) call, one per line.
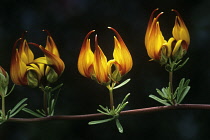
point(25, 70)
point(160, 49)
point(95, 65)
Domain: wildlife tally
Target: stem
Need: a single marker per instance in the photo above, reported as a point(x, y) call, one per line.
point(3, 107)
point(171, 86)
point(45, 100)
point(171, 81)
point(127, 112)
point(111, 98)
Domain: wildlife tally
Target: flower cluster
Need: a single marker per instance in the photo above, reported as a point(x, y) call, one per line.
point(161, 50)
point(26, 70)
point(95, 65)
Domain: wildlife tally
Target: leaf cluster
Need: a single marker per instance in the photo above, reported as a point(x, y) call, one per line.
point(168, 98)
point(112, 112)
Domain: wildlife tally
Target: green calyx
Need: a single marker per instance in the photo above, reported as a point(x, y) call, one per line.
point(32, 79)
point(163, 56)
point(116, 76)
point(180, 52)
point(52, 76)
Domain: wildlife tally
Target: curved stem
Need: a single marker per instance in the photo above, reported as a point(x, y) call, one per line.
point(127, 112)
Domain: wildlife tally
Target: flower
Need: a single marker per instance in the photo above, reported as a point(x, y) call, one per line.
point(25, 70)
point(158, 48)
point(95, 65)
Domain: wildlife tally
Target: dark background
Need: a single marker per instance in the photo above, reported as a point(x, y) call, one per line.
point(69, 21)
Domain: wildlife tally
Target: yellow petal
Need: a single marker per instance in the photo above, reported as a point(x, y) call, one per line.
point(39, 69)
point(180, 31)
point(41, 60)
point(154, 39)
point(53, 61)
point(18, 70)
point(86, 57)
point(17, 67)
point(155, 42)
point(100, 64)
point(121, 54)
point(51, 46)
point(25, 52)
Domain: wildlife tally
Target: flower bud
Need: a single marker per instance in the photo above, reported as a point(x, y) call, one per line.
point(179, 50)
point(163, 57)
point(116, 76)
point(32, 79)
point(4, 81)
point(52, 76)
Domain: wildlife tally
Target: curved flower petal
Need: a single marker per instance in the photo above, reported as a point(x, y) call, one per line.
point(17, 67)
point(180, 43)
point(54, 61)
point(25, 52)
point(121, 54)
point(39, 69)
point(154, 39)
point(180, 31)
point(51, 46)
point(155, 43)
point(86, 57)
point(100, 64)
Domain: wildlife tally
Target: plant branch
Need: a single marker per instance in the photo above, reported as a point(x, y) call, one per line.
point(171, 81)
point(127, 112)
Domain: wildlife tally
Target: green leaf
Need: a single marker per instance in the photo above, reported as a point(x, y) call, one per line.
point(18, 110)
point(18, 105)
point(181, 65)
point(122, 84)
point(118, 107)
point(42, 112)
point(167, 92)
point(102, 112)
point(122, 106)
point(105, 109)
point(57, 87)
point(32, 112)
point(187, 83)
point(101, 121)
point(182, 90)
point(183, 94)
point(126, 97)
point(8, 114)
point(162, 94)
point(159, 100)
point(10, 90)
point(56, 95)
point(119, 126)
